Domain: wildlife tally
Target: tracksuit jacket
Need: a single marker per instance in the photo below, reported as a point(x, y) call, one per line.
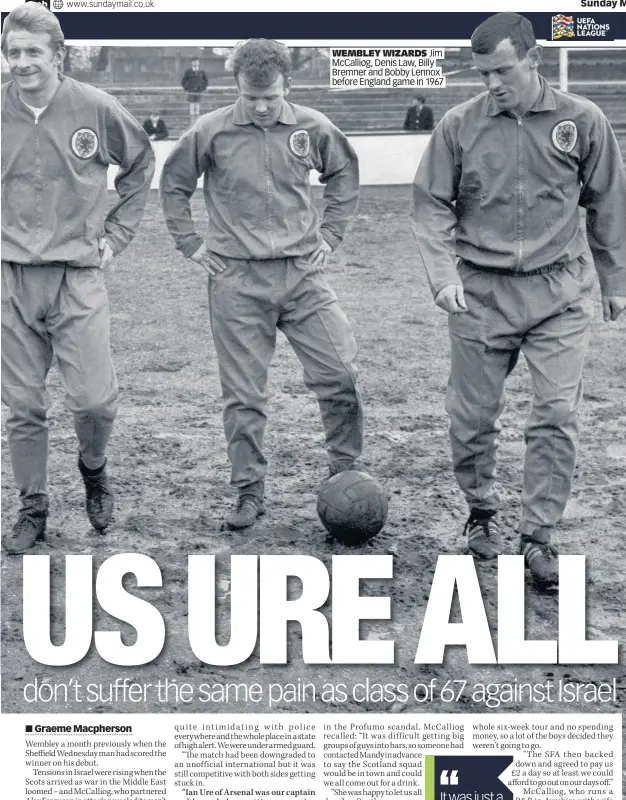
point(503, 192)
point(54, 176)
point(256, 183)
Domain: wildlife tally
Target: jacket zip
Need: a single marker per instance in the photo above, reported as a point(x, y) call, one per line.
point(268, 184)
point(38, 184)
point(38, 175)
point(520, 196)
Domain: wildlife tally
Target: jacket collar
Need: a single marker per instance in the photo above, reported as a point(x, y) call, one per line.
point(544, 102)
point(20, 103)
point(286, 116)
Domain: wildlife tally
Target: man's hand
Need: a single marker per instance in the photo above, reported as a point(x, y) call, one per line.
point(452, 299)
point(318, 256)
point(211, 263)
point(106, 254)
point(612, 307)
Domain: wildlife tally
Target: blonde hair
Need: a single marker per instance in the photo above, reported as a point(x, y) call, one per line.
point(34, 18)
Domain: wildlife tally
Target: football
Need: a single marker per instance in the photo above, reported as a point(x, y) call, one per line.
point(352, 506)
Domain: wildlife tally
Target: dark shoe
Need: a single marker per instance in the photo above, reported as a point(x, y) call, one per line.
point(99, 496)
point(542, 561)
point(29, 529)
point(483, 534)
point(249, 507)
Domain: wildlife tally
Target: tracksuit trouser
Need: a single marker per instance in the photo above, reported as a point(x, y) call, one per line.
point(55, 310)
point(547, 317)
point(248, 303)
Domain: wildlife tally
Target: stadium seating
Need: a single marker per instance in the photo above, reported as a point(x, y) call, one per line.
point(358, 111)
point(147, 78)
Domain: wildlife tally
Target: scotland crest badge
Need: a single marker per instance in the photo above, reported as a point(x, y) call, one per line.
point(565, 135)
point(84, 143)
point(300, 143)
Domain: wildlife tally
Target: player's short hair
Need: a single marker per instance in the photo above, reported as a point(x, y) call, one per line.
point(420, 98)
point(497, 28)
point(262, 60)
point(33, 18)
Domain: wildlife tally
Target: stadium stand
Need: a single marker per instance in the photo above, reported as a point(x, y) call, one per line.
point(359, 111)
point(147, 78)
point(597, 74)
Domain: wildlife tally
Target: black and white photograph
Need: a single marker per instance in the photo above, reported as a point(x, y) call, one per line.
point(247, 314)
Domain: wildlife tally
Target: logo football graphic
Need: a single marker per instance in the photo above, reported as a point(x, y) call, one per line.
point(563, 27)
point(352, 506)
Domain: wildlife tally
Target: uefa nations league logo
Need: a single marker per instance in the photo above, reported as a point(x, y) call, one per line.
point(562, 27)
point(586, 29)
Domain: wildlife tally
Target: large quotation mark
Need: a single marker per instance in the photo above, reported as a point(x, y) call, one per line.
point(454, 778)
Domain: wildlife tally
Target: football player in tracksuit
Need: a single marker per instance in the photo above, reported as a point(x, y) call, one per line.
point(58, 138)
point(264, 253)
point(495, 213)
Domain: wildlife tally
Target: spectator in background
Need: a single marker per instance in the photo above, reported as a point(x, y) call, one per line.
point(419, 117)
point(155, 127)
point(194, 82)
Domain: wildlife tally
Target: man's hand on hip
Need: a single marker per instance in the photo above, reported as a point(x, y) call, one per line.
point(106, 254)
point(612, 307)
point(452, 299)
point(318, 256)
point(212, 264)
